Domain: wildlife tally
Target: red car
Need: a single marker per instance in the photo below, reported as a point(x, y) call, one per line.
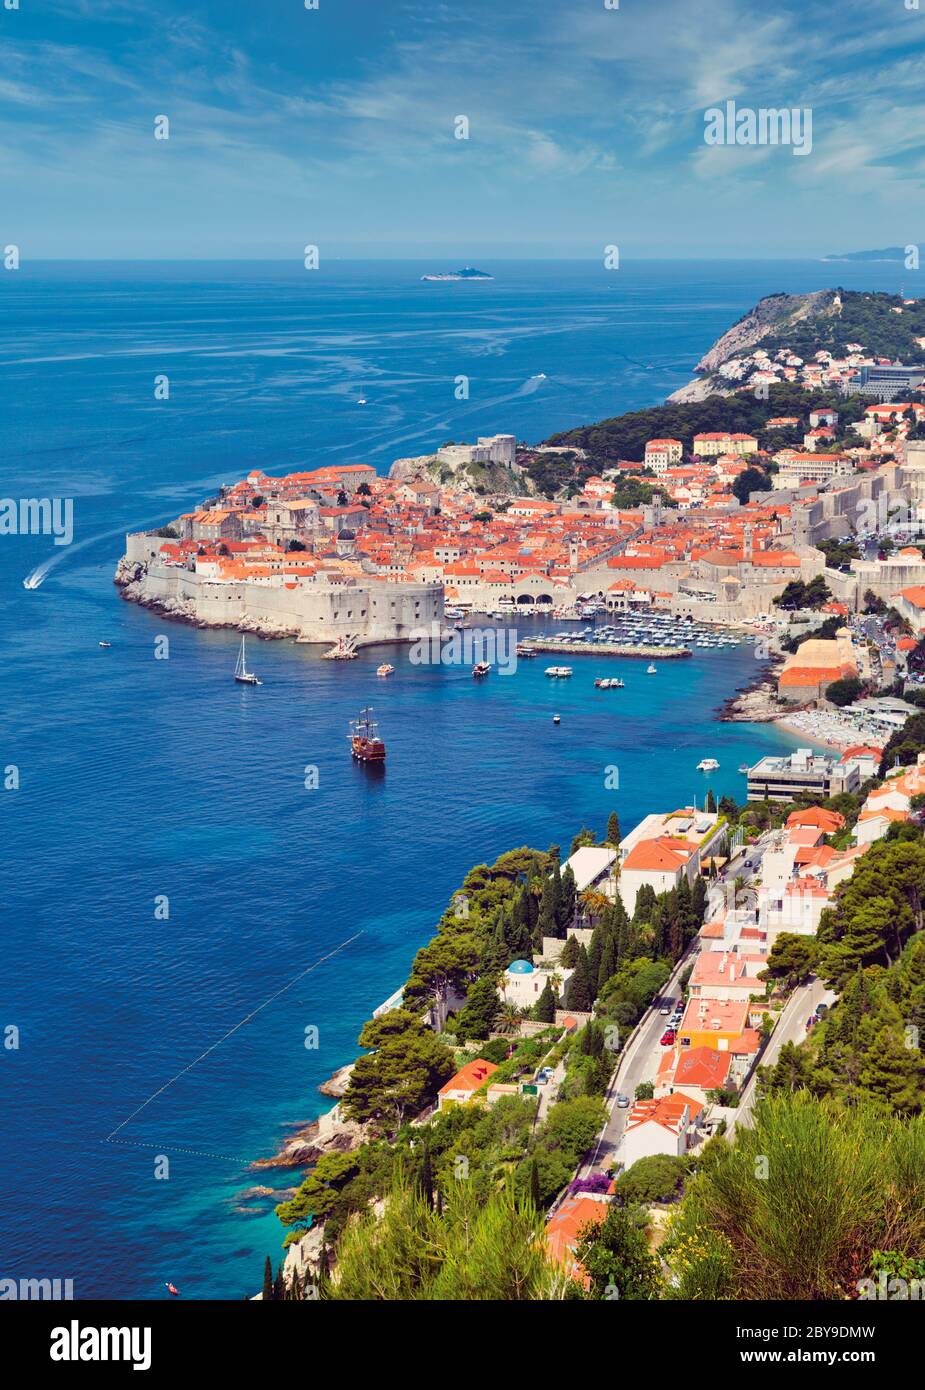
point(668, 1037)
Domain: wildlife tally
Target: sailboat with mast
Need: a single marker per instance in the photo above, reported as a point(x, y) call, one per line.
point(241, 673)
point(365, 743)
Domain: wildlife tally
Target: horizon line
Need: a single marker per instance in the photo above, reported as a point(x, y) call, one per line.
point(514, 260)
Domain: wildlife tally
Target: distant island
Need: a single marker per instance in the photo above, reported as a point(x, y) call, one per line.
point(467, 273)
point(887, 253)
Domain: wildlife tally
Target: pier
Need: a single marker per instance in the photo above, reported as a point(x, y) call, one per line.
point(549, 644)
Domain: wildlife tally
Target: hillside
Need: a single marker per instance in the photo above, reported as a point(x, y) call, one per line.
point(804, 324)
point(482, 479)
point(885, 253)
point(625, 436)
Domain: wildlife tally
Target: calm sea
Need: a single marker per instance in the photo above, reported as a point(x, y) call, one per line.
point(166, 871)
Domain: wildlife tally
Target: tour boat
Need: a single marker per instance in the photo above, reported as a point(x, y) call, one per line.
point(560, 672)
point(241, 673)
point(650, 671)
point(105, 644)
point(481, 668)
point(365, 743)
point(385, 669)
point(556, 719)
point(524, 649)
point(707, 765)
point(172, 1288)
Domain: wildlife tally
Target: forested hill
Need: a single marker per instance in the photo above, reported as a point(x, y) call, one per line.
point(625, 436)
point(834, 318)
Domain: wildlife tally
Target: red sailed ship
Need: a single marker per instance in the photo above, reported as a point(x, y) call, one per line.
point(365, 743)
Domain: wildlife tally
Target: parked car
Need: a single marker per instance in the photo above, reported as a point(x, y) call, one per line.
point(623, 1101)
point(668, 1037)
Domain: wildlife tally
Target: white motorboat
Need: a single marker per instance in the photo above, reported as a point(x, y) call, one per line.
point(559, 672)
point(707, 765)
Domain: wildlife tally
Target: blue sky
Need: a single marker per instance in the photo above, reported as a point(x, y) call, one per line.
point(335, 127)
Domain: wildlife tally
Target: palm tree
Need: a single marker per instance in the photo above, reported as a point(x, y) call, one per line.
point(508, 1019)
point(594, 903)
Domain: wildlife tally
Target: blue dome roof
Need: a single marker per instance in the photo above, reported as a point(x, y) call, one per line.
point(521, 967)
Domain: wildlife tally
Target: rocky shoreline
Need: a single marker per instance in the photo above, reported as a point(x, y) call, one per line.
point(757, 702)
point(309, 1142)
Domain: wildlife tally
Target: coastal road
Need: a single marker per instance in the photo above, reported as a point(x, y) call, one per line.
point(791, 1027)
point(638, 1063)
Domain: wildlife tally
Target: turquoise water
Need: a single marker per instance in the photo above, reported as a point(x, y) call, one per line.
point(144, 780)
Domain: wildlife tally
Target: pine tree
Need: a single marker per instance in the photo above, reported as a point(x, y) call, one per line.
point(535, 1194)
point(891, 1071)
point(426, 1178)
point(324, 1271)
point(613, 830)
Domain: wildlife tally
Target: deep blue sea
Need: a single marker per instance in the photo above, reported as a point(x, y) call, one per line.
point(143, 779)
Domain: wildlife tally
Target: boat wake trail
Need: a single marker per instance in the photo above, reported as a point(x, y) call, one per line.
point(41, 572)
point(442, 422)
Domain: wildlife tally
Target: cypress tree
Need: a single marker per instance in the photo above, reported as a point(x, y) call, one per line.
point(699, 900)
point(579, 993)
point(565, 914)
point(544, 1010)
point(645, 902)
point(608, 964)
point(279, 1286)
point(569, 956)
point(620, 929)
point(267, 1280)
point(550, 904)
point(613, 830)
point(595, 951)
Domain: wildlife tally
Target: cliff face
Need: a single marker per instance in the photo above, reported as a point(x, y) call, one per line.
point(774, 314)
